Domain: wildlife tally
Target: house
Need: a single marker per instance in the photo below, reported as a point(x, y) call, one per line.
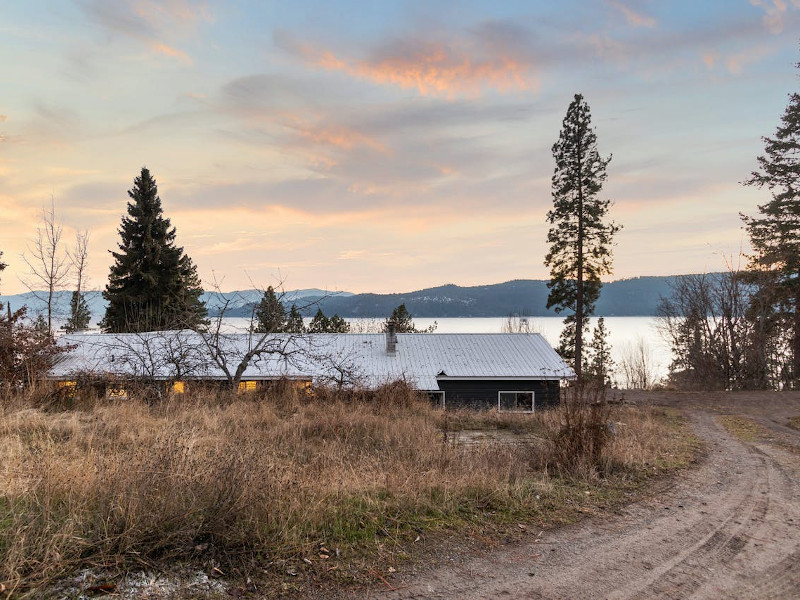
point(479, 370)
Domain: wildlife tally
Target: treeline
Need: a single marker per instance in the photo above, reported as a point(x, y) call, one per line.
point(623, 298)
point(741, 329)
point(270, 316)
point(638, 296)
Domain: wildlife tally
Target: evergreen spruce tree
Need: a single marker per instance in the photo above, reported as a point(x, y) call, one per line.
point(775, 238)
point(79, 315)
point(403, 323)
point(580, 239)
point(270, 313)
point(320, 323)
point(152, 285)
point(338, 325)
point(294, 322)
point(599, 365)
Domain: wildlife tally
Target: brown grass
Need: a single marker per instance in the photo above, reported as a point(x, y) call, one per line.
point(254, 480)
point(745, 429)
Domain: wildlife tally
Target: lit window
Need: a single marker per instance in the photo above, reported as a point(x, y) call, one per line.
point(247, 386)
point(68, 388)
point(515, 401)
point(117, 393)
point(302, 385)
point(178, 387)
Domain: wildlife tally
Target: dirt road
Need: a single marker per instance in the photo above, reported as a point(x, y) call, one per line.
point(728, 528)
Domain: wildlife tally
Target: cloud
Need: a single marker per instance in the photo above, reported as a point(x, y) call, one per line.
point(54, 124)
point(632, 17)
point(150, 23)
point(175, 11)
point(775, 13)
point(736, 63)
point(729, 43)
point(338, 136)
point(448, 66)
point(161, 48)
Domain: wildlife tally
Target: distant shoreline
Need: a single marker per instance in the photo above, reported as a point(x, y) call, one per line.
point(635, 297)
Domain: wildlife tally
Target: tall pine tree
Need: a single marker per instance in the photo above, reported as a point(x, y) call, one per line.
point(580, 239)
point(152, 285)
point(775, 238)
point(270, 313)
point(79, 315)
point(2, 267)
point(600, 366)
point(320, 323)
point(294, 322)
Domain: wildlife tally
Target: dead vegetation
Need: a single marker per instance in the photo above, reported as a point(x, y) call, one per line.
point(255, 482)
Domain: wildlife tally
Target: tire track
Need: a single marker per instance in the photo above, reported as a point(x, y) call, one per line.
point(729, 528)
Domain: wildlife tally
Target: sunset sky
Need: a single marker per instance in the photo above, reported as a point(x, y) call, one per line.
point(386, 146)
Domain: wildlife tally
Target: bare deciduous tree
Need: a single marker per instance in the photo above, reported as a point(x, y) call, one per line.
point(721, 336)
point(79, 312)
point(47, 260)
point(79, 258)
point(517, 324)
point(635, 367)
point(233, 352)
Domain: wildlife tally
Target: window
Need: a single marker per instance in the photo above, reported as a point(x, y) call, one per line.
point(68, 388)
point(117, 393)
point(178, 387)
point(302, 385)
point(247, 386)
point(515, 401)
point(437, 398)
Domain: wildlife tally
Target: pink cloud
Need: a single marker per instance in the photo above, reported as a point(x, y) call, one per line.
point(338, 136)
point(161, 48)
point(432, 68)
point(181, 12)
point(736, 63)
point(152, 23)
point(632, 17)
point(775, 12)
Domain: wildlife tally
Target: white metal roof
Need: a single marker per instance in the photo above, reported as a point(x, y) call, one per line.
point(351, 358)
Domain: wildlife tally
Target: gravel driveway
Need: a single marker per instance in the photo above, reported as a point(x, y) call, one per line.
point(727, 528)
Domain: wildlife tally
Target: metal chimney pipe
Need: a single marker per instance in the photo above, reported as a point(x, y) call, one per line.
point(391, 338)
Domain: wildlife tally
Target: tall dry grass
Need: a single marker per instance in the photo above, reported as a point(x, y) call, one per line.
point(264, 477)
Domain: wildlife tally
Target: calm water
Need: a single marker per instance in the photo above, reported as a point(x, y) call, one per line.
point(625, 333)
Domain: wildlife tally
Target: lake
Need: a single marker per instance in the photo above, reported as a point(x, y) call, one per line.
point(625, 333)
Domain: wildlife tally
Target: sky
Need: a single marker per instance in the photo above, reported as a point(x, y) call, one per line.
point(386, 146)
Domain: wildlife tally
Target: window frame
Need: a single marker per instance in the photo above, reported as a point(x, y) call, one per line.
point(533, 401)
point(438, 397)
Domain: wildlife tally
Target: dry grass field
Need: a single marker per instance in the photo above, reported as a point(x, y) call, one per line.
point(265, 486)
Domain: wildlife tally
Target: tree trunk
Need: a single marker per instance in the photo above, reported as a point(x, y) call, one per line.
point(796, 345)
point(579, 282)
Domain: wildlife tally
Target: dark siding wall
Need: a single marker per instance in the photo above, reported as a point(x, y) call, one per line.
point(483, 394)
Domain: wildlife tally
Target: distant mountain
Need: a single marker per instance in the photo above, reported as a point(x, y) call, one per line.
point(37, 303)
point(638, 296)
point(627, 297)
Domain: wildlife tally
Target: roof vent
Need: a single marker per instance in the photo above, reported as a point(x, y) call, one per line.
point(391, 338)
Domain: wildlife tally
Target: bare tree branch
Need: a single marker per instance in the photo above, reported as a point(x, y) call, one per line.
point(48, 262)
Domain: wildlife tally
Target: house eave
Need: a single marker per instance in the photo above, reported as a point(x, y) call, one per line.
point(505, 378)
